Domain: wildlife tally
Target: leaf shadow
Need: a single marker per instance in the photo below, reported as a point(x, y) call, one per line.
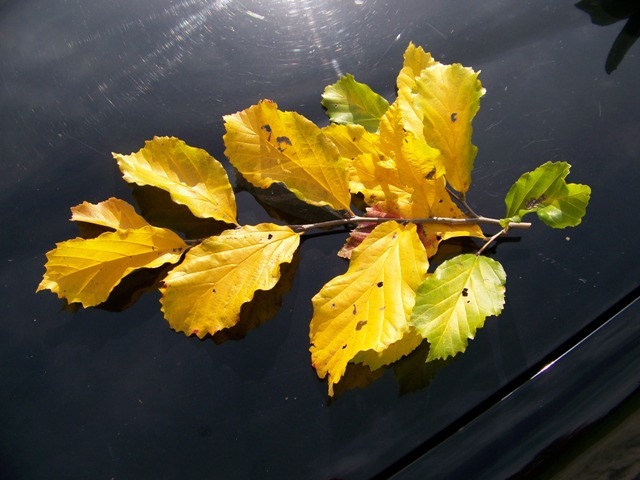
point(282, 204)
point(157, 207)
point(412, 373)
point(263, 307)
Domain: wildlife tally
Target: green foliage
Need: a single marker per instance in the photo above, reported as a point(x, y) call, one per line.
point(409, 163)
point(557, 203)
point(453, 303)
point(350, 102)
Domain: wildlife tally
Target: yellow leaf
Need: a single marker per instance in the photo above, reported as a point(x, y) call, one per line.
point(444, 206)
point(368, 307)
point(378, 181)
point(205, 293)
point(112, 213)
point(415, 60)
point(192, 176)
point(86, 271)
point(439, 108)
point(399, 174)
point(394, 352)
point(351, 139)
point(267, 145)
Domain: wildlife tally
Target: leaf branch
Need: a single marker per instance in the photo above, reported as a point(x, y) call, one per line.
point(462, 202)
point(492, 239)
point(477, 220)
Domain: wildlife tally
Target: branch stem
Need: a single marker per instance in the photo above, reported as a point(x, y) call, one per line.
point(492, 239)
point(477, 220)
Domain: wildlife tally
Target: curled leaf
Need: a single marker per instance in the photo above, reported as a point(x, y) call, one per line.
point(415, 61)
point(439, 107)
point(351, 102)
point(192, 176)
point(453, 303)
point(205, 293)
point(544, 191)
point(112, 213)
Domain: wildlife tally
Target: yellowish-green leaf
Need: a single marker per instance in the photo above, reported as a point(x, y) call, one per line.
point(453, 303)
point(86, 271)
point(267, 145)
point(367, 308)
point(351, 102)
point(205, 293)
point(557, 203)
point(112, 213)
point(192, 176)
point(439, 109)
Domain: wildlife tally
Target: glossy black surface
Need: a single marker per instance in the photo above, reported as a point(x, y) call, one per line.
point(94, 394)
point(545, 427)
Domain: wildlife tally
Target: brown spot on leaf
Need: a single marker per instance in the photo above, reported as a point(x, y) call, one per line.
point(360, 324)
point(465, 292)
point(283, 143)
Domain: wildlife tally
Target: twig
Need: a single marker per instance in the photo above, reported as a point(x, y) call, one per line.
point(442, 220)
point(461, 200)
point(492, 239)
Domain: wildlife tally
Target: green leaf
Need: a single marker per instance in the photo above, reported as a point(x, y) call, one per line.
point(544, 191)
point(348, 101)
point(453, 303)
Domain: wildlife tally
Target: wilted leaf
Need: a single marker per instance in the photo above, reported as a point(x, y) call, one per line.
point(205, 293)
point(267, 145)
point(112, 213)
point(544, 191)
point(351, 102)
point(439, 108)
point(86, 271)
point(453, 303)
point(368, 307)
point(192, 176)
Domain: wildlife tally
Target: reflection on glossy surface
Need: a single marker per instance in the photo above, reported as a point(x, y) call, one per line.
point(98, 395)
